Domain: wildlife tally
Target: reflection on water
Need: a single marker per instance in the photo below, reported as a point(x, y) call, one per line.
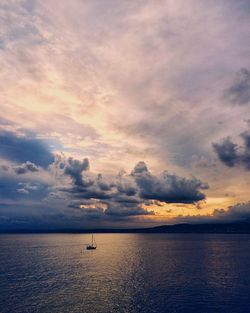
point(127, 273)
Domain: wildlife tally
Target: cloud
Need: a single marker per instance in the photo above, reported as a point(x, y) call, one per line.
point(232, 154)
point(25, 168)
point(239, 92)
point(239, 211)
point(74, 169)
point(167, 187)
point(227, 152)
point(140, 168)
point(127, 195)
point(165, 36)
point(126, 209)
point(23, 148)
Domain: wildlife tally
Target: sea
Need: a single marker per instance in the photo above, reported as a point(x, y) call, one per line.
point(132, 273)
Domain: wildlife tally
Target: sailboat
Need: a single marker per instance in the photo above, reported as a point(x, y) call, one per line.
point(93, 244)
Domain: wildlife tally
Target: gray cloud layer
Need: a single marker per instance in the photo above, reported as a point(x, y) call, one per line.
point(91, 196)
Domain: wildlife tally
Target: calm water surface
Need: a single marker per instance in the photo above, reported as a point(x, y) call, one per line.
point(127, 273)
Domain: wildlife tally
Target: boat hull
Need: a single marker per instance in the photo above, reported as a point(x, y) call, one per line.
point(90, 248)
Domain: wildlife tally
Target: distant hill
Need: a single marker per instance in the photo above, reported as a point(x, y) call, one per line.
point(224, 228)
point(212, 228)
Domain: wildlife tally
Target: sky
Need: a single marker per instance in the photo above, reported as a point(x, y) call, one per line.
point(124, 113)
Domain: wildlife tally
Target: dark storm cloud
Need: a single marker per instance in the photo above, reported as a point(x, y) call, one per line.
point(227, 152)
point(75, 168)
point(167, 187)
point(239, 92)
point(23, 148)
point(125, 194)
point(25, 168)
point(87, 186)
point(232, 154)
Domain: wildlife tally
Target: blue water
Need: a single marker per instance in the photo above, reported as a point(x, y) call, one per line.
point(134, 273)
